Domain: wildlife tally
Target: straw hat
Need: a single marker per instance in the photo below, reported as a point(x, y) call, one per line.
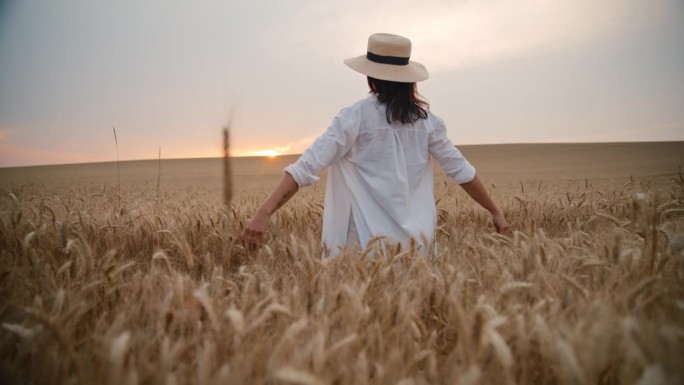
point(388, 59)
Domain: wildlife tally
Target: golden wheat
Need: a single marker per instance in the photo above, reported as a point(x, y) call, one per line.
point(588, 288)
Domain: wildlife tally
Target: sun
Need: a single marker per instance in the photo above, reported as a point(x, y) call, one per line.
point(268, 153)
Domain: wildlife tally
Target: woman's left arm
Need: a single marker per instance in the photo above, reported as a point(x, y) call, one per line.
point(476, 189)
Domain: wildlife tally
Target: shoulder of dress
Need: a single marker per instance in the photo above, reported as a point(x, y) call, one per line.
point(357, 107)
point(434, 120)
point(432, 116)
point(370, 100)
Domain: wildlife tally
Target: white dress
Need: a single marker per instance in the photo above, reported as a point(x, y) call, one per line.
point(380, 178)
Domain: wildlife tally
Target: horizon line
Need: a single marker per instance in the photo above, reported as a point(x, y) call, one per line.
point(295, 154)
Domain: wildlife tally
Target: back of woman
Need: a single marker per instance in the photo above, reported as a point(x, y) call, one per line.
point(381, 178)
point(379, 151)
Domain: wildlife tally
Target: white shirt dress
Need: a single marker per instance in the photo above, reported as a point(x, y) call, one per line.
point(380, 181)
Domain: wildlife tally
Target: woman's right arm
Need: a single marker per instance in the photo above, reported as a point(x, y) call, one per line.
point(334, 143)
point(257, 227)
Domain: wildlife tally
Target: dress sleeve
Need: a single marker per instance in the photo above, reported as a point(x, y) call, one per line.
point(333, 144)
point(450, 159)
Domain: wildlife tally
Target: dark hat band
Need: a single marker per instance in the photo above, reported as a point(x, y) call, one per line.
point(393, 60)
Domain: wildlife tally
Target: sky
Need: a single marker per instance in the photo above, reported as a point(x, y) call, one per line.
point(171, 74)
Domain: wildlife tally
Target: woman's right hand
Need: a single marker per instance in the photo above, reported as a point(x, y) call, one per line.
point(255, 230)
point(502, 226)
point(257, 227)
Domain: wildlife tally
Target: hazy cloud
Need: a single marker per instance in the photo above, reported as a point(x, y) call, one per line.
point(666, 132)
point(18, 155)
point(446, 34)
point(169, 73)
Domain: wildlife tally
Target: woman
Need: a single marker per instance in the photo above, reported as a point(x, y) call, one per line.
point(379, 151)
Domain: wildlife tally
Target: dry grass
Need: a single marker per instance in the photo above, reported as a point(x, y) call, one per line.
point(588, 289)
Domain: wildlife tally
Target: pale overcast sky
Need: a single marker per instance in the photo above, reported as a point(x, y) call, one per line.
point(169, 73)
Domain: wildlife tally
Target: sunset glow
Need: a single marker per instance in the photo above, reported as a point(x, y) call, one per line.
point(268, 153)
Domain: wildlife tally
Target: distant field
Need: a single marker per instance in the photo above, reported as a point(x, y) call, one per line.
point(134, 284)
point(495, 163)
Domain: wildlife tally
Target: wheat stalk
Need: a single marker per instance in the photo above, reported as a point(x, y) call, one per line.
point(118, 170)
point(227, 170)
point(159, 175)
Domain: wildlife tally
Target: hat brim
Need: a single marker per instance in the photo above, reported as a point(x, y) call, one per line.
point(410, 73)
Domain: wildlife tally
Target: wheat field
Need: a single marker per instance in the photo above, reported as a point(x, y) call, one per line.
point(146, 284)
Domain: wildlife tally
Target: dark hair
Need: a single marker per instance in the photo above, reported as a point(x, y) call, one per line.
point(403, 102)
